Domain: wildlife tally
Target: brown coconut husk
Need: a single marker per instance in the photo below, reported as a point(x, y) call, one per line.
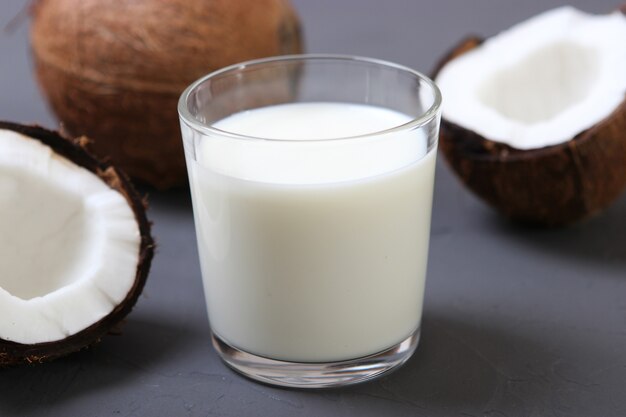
point(114, 70)
point(551, 186)
point(12, 353)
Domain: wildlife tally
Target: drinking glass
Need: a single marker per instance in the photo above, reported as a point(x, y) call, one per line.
point(313, 250)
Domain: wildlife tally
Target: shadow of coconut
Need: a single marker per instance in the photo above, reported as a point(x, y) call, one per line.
point(600, 239)
point(145, 348)
point(178, 199)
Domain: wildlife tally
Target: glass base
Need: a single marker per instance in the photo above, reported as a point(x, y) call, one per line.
point(316, 375)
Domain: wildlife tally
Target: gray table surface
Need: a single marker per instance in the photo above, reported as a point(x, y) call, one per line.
point(517, 322)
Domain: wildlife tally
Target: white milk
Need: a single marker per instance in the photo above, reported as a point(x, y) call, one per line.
point(313, 251)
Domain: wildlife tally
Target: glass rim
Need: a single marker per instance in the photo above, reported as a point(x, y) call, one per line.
point(415, 122)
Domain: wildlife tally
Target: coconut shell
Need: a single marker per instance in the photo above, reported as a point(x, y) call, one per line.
point(552, 186)
point(12, 353)
point(114, 70)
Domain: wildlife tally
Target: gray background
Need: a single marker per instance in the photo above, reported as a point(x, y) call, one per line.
point(518, 321)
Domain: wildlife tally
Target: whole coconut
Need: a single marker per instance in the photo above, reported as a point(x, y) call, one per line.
point(113, 70)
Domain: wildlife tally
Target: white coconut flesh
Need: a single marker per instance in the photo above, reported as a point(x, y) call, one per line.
point(69, 244)
point(541, 82)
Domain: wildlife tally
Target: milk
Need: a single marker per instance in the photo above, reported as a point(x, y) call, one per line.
point(313, 250)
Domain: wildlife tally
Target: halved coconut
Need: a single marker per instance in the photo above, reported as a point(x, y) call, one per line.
point(534, 118)
point(75, 246)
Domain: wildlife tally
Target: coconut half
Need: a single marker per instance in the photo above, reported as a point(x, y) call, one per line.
point(534, 118)
point(75, 246)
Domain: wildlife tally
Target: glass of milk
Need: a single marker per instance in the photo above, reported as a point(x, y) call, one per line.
point(312, 181)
